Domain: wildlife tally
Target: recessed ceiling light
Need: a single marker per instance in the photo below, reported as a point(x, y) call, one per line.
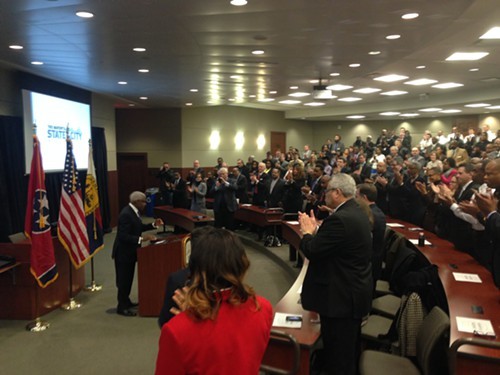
point(257, 52)
point(290, 102)
point(294, 87)
point(193, 90)
point(355, 65)
point(231, 99)
point(493, 33)
point(252, 96)
point(334, 74)
point(16, 46)
point(394, 93)
point(389, 113)
point(421, 82)
point(143, 70)
point(409, 16)
point(374, 53)
point(450, 111)
point(235, 77)
point(314, 81)
point(355, 117)
point(391, 78)
point(299, 94)
point(84, 14)
point(189, 104)
point(338, 87)
point(349, 99)
point(139, 49)
point(474, 70)
point(143, 97)
point(37, 63)
point(238, 3)
point(409, 114)
point(420, 67)
point(265, 100)
point(477, 105)
point(494, 107)
point(430, 109)
point(122, 82)
point(393, 37)
point(447, 85)
point(314, 104)
point(367, 90)
point(467, 56)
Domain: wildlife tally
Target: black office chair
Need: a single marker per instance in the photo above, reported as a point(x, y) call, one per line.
point(282, 338)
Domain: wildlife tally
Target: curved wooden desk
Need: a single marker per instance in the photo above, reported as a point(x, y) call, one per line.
point(186, 219)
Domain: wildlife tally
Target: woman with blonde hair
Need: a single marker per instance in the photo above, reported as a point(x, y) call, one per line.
point(222, 326)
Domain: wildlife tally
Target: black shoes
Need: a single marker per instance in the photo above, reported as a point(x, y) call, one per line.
point(132, 304)
point(126, 312)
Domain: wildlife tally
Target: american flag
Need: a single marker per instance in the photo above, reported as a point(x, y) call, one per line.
point(37, 223)
point(71, 226)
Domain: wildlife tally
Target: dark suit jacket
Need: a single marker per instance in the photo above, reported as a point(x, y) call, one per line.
point(378, 232)
point(461, 232)
point(176, 280)
point(225, 195)
point(275, 199)
point(126, 242)
point(179, 199)
point(338, 282)
point(259, 190)
point(493, 229)
point(241, 191)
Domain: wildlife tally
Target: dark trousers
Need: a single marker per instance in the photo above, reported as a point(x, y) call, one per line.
point(124, 278)
point(341, 342)
point(224, 218)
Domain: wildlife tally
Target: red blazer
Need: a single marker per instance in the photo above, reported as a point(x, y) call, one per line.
point(233, 343)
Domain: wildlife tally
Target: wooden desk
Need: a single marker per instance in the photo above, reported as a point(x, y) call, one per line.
point(461, 296)
point(260, 216)
point(24, 299)
point(186, 219)
point(279, 355)
point(155, 263)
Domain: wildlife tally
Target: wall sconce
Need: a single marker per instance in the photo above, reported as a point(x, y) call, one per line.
point(261, 141)
point(214, 140)
point(239, 140)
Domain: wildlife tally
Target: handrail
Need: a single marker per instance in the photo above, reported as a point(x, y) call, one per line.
point(453, 351)
point(280, 336)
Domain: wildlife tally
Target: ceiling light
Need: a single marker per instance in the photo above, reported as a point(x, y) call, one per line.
point(430, 109)
point(193, 90)
point(122, 82)
point(373, 53)
point(139, 49)
point(314, 81)
point(389, 113)
point(314, 104)
point(189, 104)
point(143, 70)
point(273, 92)
point(338, 87)
point(143, 97)
point(420, 67)
point(257, 52)
point(391, 78)
point(265, 100)
point(252, 96)
point(477, 105)
point(16, 46)
point(334, 74)
point(235, 77)
point(349, 99)
point(356, 117)
point(394, 93)
point(299, 94)
point(494, 107)
point(409, 16)
point(447, 85)
point(409, 114)
point(37, 63)
point(393, 37)
point(474, 70)
point(421, 82)
point(131, 105)
point(294, 87)
point(290, 102)
point(238, 3)
point(84, 14)
point(467, 56)
point(450, 111)
point(355, 65)
point(493, 33)
point(367, 90)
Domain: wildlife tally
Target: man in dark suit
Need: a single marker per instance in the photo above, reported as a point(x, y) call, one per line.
point(128, 240)
point(259, 183)
point(224, 200)
point(179, 192)
point(338, 282)
point(241, 185)
point(275, 189)
point(166, 176)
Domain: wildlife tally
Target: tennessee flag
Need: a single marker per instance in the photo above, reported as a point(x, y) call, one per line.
point(92, 210)
point(37, 223)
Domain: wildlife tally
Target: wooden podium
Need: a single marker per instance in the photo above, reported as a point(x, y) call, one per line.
point(154, 264)
point(20, 295)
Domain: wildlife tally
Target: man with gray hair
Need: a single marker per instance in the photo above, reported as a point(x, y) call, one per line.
point(224, 200)
point(338, 282)
point(128, 239)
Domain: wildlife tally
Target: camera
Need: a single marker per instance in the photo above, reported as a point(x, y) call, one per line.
point(220, 180)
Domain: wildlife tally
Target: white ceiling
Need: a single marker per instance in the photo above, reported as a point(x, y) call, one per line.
point(190, 44)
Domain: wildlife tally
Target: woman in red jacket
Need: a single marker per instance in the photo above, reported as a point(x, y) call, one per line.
point(224, 326)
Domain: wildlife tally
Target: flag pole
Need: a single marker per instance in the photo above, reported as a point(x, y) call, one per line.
point(72, 304)
point(93, 286)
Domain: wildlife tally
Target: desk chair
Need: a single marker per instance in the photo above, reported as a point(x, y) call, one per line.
point(432, 344)
point(282, 338)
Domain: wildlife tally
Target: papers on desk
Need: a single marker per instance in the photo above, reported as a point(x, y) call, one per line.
point(246, 205)
point(395, 225)
point(292, 222)
point(467, 277)
point(479, 327)
point(280, 320)
point(415, 242)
